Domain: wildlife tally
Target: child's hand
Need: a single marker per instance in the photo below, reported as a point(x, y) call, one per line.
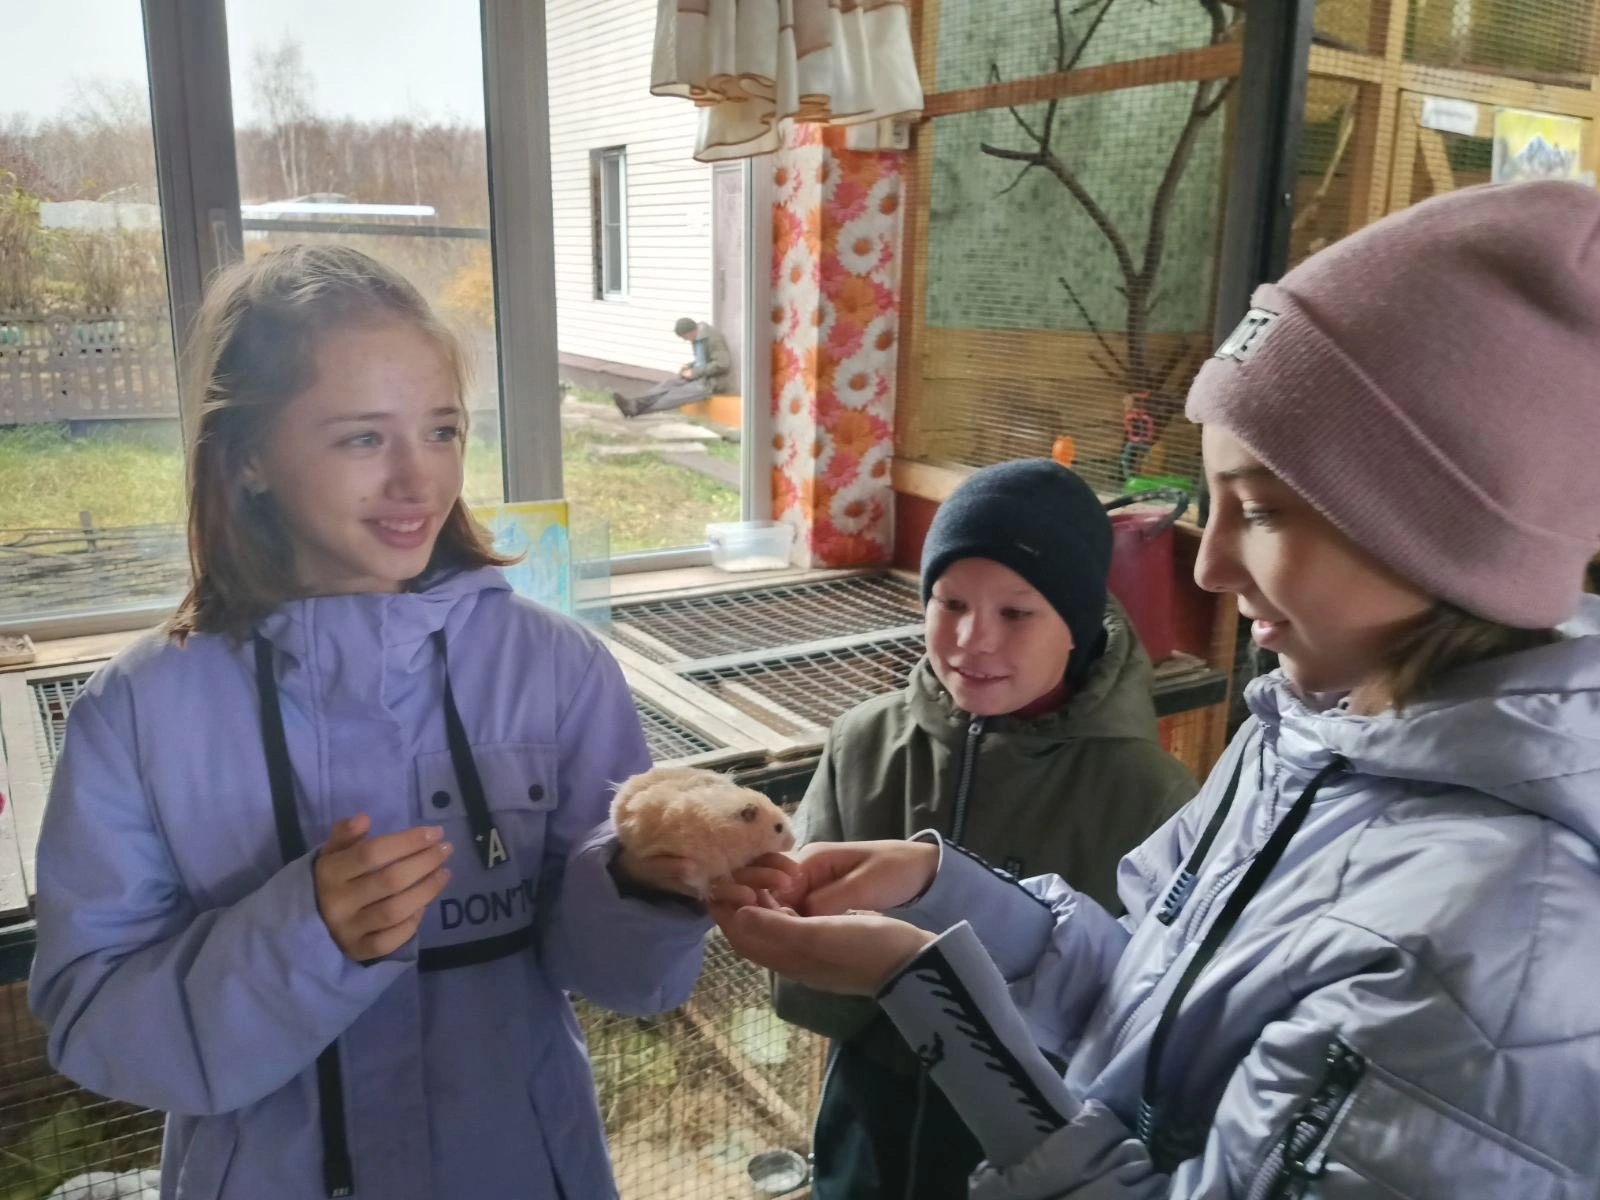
point(828, 878)
point(772, 877)
point(372, 894)
point(852, 955)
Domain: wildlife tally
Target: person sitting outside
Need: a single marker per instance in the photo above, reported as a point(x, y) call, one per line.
point(694, 382)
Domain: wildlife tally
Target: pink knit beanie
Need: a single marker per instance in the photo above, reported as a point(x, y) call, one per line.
point(1431, 384)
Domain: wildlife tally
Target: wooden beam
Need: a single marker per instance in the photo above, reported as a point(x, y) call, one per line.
point(916, 196)
point(1436, 160)
point(1480, 86)
point(1344, 64)
point(925, 34)
point(1407, 133)
point(1186, 66)
point(1389, 21)
point(926, 480)
point(1499, 90)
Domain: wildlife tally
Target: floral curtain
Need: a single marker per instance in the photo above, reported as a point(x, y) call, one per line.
point(835, 315)
point(749, 64)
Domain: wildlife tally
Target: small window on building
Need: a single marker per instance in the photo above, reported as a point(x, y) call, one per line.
point(608, 171)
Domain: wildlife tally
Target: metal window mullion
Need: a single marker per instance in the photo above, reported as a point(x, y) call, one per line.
point(197, 177)
point(1269, 104)
point(517, 127)
point(755, 460)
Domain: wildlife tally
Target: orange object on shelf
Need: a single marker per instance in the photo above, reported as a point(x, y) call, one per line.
point(1064, 450)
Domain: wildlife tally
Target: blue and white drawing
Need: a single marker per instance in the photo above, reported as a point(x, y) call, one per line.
point(544, 571)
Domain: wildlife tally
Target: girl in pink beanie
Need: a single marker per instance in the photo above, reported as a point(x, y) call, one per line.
point(1361, 963)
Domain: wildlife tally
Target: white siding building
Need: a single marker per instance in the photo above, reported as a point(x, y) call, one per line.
point(633, 210)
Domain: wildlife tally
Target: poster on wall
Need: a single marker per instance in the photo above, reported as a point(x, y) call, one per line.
point(537, 532)
point(1535, 145)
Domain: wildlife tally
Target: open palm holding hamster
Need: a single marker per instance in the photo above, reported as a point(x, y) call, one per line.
point(710, 824)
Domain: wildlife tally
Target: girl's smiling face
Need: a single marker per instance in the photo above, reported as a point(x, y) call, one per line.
point(1327, 608)
point(364, 465)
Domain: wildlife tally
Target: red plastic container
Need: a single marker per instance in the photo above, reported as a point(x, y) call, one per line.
point(1142, 565)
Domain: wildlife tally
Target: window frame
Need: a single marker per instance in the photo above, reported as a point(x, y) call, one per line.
point(603, 207)
point(197, 177)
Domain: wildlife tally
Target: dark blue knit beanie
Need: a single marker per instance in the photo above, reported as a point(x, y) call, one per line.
point(1047, 525)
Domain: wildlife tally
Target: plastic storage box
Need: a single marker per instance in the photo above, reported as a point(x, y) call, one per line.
point(750, 545)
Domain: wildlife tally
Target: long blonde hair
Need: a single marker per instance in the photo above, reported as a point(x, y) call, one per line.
point(252, 351)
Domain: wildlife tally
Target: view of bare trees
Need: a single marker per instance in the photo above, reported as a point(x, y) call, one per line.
point(100, 149)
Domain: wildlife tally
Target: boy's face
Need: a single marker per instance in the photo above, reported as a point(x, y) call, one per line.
point(995, 643)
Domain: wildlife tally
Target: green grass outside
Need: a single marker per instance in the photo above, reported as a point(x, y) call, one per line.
point(134, 476)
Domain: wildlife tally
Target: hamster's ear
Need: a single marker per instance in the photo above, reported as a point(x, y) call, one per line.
point(748, 813)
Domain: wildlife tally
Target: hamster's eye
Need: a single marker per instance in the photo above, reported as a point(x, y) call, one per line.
point(778, 828)
point(748, 813)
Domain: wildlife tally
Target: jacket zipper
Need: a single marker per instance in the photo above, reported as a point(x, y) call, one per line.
point(969, 763)
point(1299, 1158)
point(1130, 1021)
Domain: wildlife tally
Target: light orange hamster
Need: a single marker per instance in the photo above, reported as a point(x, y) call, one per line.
point(702, 816)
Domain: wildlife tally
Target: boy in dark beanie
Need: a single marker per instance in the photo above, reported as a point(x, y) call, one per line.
point(1028, 735)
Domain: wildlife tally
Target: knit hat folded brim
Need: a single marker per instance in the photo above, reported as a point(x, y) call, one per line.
point(1377, 477)
point(1429, 384)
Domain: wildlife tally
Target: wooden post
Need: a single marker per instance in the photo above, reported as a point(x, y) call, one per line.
point(1374, 164)
point(1435, 158)
point(1407, 136)
point(917, 183)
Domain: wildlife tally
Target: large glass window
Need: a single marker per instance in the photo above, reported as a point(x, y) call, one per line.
point(91, 460)
point(362, 122)
point(645, 239)
point(369, 122)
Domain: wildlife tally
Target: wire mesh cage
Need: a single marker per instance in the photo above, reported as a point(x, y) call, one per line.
point(694, 627)
point(57, 1140)
point(667, 737)
point(1063, 227)
point(806, 692)
point(690, 1098)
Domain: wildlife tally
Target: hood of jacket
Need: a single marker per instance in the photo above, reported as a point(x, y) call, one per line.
point(1524, 728)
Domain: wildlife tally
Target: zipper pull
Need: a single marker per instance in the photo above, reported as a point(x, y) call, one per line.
point(969, 762)
point(1177, 896)
point(1307, 1136)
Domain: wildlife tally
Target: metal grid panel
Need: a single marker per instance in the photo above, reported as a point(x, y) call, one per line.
point(692, 1096)
point(740, 622)
point(816, 687)
point(667, 737)
point(53, 699)
point(52, 1133)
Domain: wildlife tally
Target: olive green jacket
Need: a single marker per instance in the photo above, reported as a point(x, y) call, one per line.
point(1068, 793)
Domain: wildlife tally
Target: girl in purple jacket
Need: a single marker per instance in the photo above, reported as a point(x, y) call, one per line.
point(323, 856)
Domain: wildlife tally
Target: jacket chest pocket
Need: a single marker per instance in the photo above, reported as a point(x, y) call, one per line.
point(494, 883)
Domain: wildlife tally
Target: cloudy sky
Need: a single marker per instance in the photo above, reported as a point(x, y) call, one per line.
point(370, 59)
